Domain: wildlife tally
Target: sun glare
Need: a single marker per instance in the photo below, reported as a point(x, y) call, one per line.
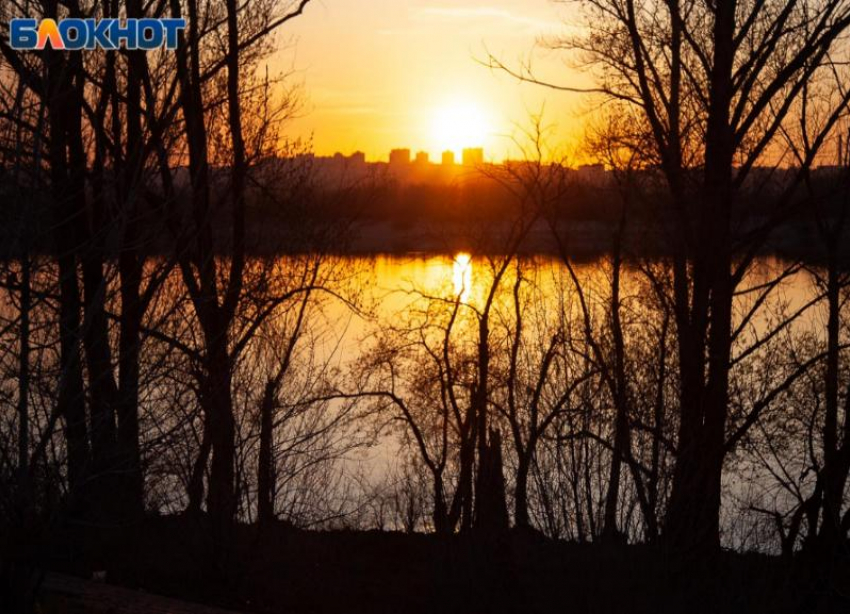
point(459, 125)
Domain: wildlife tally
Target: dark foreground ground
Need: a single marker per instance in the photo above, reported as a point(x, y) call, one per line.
point(286, 572)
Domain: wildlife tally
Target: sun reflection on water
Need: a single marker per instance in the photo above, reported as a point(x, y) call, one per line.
point(462, 275)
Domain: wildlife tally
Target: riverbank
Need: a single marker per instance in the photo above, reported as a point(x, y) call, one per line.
point(283, 570)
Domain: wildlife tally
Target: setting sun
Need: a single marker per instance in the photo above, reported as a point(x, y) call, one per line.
point(458, 125)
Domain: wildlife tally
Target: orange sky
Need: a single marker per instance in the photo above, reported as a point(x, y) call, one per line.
point(380, 74)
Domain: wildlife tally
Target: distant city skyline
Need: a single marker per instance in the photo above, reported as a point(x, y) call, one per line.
point(411, 73)
point(469, 156)
point(407, 166)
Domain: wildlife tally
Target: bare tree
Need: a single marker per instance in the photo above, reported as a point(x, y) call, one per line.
point(714, 84)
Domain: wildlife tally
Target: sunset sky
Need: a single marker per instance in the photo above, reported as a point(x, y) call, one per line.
point(380, 74)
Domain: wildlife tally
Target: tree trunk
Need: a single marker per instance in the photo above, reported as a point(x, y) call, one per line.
point(70, 397)
point(195, 487)
point(618, 392)
point(442, 525)
point(836, 455)
point(130, 263)
point(461, 509)
point(694, 515)
point(129, 453)
point(89, 222)
point(521, 518)
point(24, 482)
point(265, 466)
point(221, 497)
point(612, 496)
point(491, 512)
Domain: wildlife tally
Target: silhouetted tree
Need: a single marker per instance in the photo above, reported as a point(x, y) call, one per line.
point(714, 85)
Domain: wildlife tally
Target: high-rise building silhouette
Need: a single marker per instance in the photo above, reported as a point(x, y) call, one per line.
point(473, 156)
point(421, 157)
point(399, 157)
point(448, 158)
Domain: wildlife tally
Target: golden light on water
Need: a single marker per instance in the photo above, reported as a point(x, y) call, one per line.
point(462, 275)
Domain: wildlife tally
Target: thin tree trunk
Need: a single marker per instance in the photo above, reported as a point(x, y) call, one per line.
point(521, 517)
point(24, 482)
point(265, 467)
point(221, 496)
point(195, 487)
point(621, 419)
point(442, 525)
point(834, 472)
